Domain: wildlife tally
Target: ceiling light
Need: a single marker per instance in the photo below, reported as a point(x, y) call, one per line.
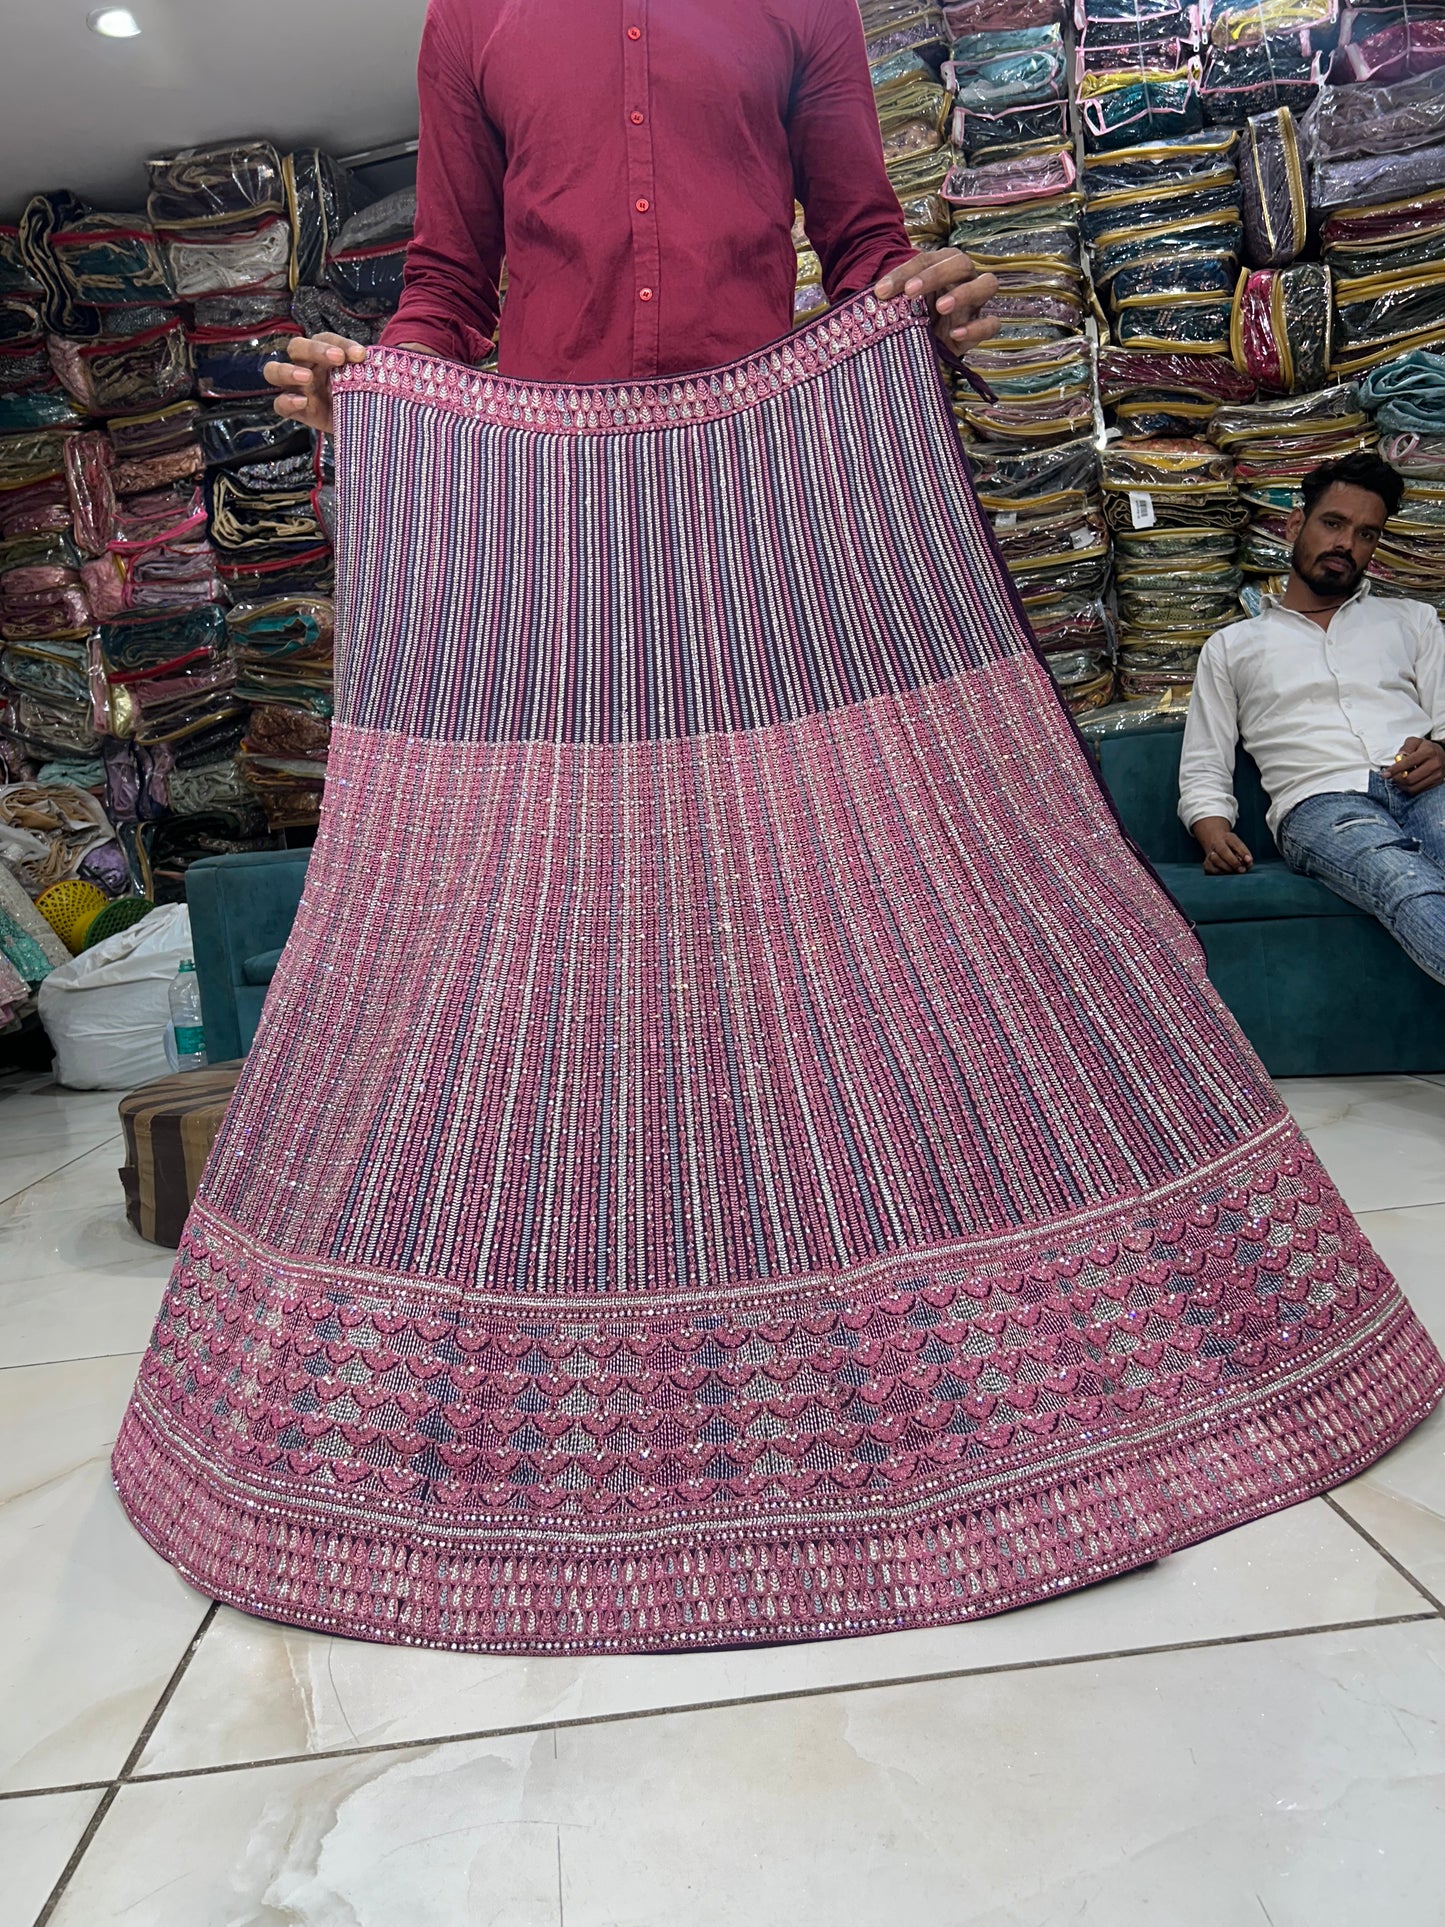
point(116, 23)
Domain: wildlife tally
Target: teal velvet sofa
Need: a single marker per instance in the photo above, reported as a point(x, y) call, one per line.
point(1318, 987)
point(242, 909)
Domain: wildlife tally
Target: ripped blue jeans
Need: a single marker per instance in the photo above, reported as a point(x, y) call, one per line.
point(1384, 851)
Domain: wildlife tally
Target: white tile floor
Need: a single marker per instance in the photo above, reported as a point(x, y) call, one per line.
point(1250, 1734)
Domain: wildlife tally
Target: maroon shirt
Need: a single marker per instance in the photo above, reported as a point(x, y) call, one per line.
point(636, 161)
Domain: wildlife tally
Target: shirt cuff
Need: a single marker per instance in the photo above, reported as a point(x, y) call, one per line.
point(453, 340)
point(1193, 809)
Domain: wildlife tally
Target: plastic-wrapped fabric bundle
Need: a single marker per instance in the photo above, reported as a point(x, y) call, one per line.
point(235, 437)
point(365, 266)
point(229, 361)
point(1280, 332)
point(283, 652)
point(1276, 203)
point(906, 28)
point(44, 216)
point(156, 431)
point(1347, 123)
point(1076, 638)
point(1007, 478)
point(1392, 43)
point(1241, 80)
point(1280, 441)
point(54, 667)
point(1043, 394)
point(1407, 394)
point(1042, 125)
point(322, 311)
point(1169, 484)
point(90, 491)
point(992, 72)
point(1378, 177)
point(1380, 316)
point(1028, 177)
point(36, 408)
point(1187, 324)
point(52, 726)
point(991, 16)
point(283, 762)
point(319, 204)
point(111, 260)
point(1246, 23)
point(122, 374)
point(1133, 23)
point(145, 642)
point(309, 573)
point(1385, 238)
point(250, 519)
point(22, 321)
point(211, 787)
point(231, 261)
point(25, 365)
point(16, 274)
point(235, 183)
point(249, 312)
point(39, 508)
point(1122, 108)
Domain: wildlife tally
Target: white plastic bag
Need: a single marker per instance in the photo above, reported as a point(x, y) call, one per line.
point(106, 1010)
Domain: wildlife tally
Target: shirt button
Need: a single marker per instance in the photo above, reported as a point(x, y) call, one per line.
point(643, 206)
point(634, 33)
point(636, 119)
point(644, 294)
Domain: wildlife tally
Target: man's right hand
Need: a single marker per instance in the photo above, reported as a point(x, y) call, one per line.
point(1224, 854)
point(305, 380)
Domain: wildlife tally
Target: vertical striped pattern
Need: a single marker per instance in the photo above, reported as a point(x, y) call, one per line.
point(738, 1147)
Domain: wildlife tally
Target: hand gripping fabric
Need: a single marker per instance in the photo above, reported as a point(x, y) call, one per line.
point(739, 1148)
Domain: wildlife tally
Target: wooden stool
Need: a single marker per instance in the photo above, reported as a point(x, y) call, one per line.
point(170, 1126)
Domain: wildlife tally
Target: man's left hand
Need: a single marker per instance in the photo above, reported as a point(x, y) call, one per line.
point(1420, 766)
point(954, 290)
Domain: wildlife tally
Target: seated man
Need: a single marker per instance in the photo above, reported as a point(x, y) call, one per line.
point(1339, 696)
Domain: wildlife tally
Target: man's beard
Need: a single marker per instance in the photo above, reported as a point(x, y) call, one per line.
point(1329, 582)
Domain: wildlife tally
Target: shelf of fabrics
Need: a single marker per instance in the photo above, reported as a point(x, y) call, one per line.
point(1034, 449)
point(1406, 400)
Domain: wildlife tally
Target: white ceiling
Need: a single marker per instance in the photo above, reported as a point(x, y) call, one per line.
point(82, 112)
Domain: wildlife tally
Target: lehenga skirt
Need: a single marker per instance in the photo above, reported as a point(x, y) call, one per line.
point(739, 1146)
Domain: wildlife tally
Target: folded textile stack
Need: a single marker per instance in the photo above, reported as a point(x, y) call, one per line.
point(1032, 448)
point(1147, 392)
point(283, 652)
point(284, 763)
point(1044, 504)
point(1175, 512)
point(53, 833)
point(1406, 399)
point(1378, 176)
point(1007, 77)
point(1017, 217)
point(1263, 55)
point(1165, 237)
point(361, 282)
point(1274, 445)
point(45, 616)
point(1138, 71)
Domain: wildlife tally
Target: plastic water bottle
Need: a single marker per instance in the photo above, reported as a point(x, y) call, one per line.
point(185, 1034)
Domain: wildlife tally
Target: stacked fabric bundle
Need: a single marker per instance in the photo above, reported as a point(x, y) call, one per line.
point(1165, 239)
point(1175, 512)
point(361, 277)
point(283, 651)
point(1032, 448)
point(1274, 445)
point(1406, 399)
point(1378, 178)
point(1139, 71)
point(1262, 55)
point(1007, 75)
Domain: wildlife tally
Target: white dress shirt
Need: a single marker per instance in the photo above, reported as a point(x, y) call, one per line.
point(1317, 709)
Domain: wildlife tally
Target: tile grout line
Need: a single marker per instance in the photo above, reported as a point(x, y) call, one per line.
point(115, 1137)
point(422, 1740)
point(1389, 1557)
point(128, 1766)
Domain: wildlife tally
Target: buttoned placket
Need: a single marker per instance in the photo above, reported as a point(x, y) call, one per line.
point(1330, 641)
point(641, 188)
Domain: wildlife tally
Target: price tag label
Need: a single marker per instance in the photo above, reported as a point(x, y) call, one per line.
point(1141, 508)
point(1082, 539)
point(1008, 520)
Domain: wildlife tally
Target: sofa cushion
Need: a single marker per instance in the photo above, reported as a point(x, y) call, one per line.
point(1141, 772)
point(1270, 889)
point(261, 968)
